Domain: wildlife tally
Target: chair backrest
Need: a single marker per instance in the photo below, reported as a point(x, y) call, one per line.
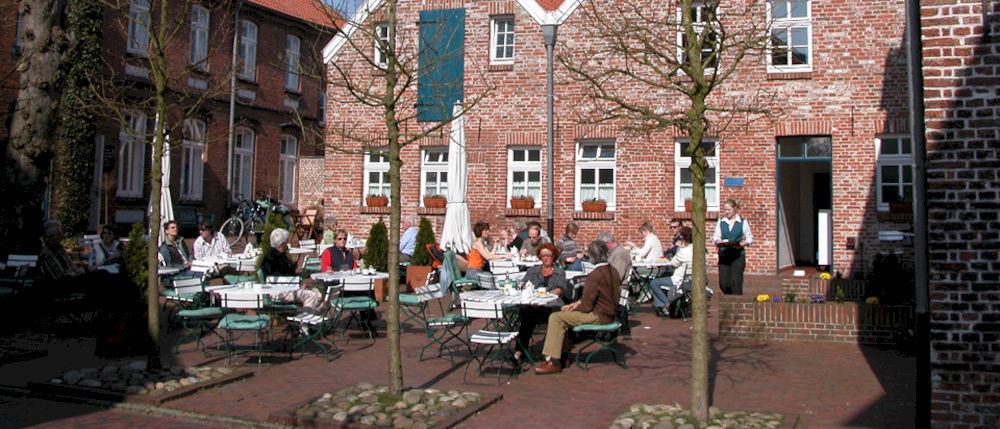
point(283, 280)
point(246, 265)
point(308, 218)
point(487, 281)
point(482, 310)
point(357, 284)
point(429, 292)
point(202, 266)
point(192, 285)
point(307, 244)
point(587, 267)
point(241, 300)
point(503, 266)
point(14, 260)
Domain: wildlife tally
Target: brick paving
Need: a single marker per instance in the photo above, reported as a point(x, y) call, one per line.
point(825, 385)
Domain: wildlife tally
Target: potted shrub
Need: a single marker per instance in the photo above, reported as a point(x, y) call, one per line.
point(376, 200)
point(420, 263)
point(522, 202)
point(594, 205)
point(377, 255)
point(435, 201)
point(688, 205)
point(901, 204)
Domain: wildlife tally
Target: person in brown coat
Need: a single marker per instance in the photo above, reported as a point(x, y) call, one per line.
point(598, 305)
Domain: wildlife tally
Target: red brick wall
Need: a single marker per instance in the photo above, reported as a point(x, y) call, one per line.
point(961, 81)
point(310, 180)
point(854, 93)
point(849, 322)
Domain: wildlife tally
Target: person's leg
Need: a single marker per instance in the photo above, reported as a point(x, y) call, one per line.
point(736, 274)
point(724, 277)
point(310, 299)
point(656, 288)
point(559, 323)
point(577, 265)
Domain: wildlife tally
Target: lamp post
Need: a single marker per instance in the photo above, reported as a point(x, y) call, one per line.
point(549, 35)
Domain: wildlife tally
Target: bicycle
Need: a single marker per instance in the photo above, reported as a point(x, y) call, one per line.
point(248, 218)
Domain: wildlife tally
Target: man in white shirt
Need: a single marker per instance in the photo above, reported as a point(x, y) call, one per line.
point(209, 243)
point(408, 242)
point(651, 249)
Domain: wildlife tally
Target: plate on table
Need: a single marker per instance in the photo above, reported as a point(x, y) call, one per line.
point(543, 294)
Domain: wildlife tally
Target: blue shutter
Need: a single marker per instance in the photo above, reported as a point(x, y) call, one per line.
point(442, 63)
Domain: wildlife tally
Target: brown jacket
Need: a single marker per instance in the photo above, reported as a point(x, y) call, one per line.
point(600, 293)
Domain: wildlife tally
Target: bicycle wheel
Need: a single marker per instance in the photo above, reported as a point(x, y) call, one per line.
point(232, 229)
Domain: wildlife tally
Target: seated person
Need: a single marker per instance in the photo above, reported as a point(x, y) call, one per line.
point(107, 250)
point(675, 225)
point(598, 305)
point(408, 242)
point(277, 263)
point(673, 283)
point(62, 276)
point(535, 239)
point(651, 249)
point(173, 252)
point(483, 250)
point(550, 276)
point(209, 242)
point(338, 257)
point(572, 257)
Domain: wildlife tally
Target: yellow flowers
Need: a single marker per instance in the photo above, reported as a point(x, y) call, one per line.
point(763, 297)
point(825, 276)
point(872, 300)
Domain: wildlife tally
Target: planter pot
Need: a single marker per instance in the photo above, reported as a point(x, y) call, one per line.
point(689, 206)
point(522, 204)
point(901, 207)
point(416, 276)
point(381, 290)
point(435, 203)
point(594, 206)
point(377, 201)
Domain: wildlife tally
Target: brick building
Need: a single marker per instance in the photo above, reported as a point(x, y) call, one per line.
point(840, 134)
point(961, 49)
point(278, 114)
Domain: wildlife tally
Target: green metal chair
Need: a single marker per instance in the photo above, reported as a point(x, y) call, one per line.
point(456, 282)
point(250, 273)
point(605, 336)
point(500, 343)
point(358, 307)
point(445, 328)
point(233, 323)
point(309, 328)
point(411, 304)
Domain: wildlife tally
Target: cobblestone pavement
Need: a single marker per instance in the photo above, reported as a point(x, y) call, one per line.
point(824, 385)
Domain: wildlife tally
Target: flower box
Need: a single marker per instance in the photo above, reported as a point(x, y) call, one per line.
point(522, 203)
point(594, 206)
point(435, 202)
point(377, 201)
point(900, 207)
point(688, 206)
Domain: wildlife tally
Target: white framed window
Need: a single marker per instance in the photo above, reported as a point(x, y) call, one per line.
point(193, 159)
point(377, 172)
point(199, 37)
point(702, 18)
point(895, 169)
point(434, 171)
point(292, 46)
point(524, 172)
point(132, 154)
point(502, 39)
point(595, 172)
point(138, 28)
point(248, 50)
point(243, 151)
point(684, 185)
point(790, 44)
point(287, 163)
point(381, 39)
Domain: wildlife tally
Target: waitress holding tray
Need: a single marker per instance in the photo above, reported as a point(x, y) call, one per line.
point(732, 235)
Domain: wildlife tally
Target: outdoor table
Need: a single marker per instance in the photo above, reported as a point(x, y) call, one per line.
point(167, 271)
point(252, 289)
point(300, 250)
point(494, 296)
point(337, 276)
point(527, 263)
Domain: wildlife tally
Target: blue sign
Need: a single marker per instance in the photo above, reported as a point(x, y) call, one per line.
point(733, 181)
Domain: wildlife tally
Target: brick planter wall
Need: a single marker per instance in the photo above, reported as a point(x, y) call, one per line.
point(830, 322)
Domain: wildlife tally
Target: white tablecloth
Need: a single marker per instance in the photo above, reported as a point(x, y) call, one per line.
point(339, 275)
point(517, 299)
point(256, 288)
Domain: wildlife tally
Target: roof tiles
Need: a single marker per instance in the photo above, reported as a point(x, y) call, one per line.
point(306, 10)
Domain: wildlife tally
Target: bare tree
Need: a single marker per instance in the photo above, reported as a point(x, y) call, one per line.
point(378, 70)
point(657, 66)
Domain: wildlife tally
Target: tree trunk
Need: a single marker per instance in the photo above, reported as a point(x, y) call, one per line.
point(699, 305)
point(33, 121)
point(392, 127)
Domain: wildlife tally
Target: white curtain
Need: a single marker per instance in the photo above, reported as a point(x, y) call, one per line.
point(166, 203)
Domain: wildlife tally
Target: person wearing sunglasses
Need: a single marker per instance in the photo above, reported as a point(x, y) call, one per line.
point(209, 243)
point(338, 257)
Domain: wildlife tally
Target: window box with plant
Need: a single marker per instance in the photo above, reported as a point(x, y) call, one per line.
point(522, 202)
point(376, 200)
point(901, 204)
point(435, 201)
point(688, 205)
point(594, 205)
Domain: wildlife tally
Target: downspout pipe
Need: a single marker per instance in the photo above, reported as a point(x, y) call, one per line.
point(549, 35)
point(914, 55)
point(232, 103)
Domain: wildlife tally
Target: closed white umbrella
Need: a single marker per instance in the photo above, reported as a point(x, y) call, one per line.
point(457, 234)
point(166, 203)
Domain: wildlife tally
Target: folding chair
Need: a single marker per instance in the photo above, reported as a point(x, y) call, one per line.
point(276, 306)
point(486, 281)
point(587, 267)
point(235, 322)
point(360, 304)
point(606, 335)
point(243, 267)
point(304, 224)
point(412, 305)
point(500, 342)
point(443, 329)
point(503, 266)
point(182, 294)
point(313, 327)
point(195, 312)
point(452, 278)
